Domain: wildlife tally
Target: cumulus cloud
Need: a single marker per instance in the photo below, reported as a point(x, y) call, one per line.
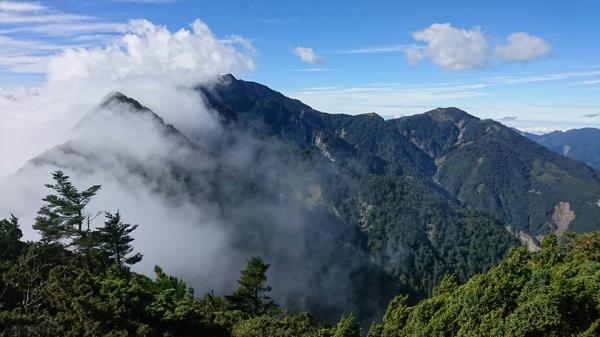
point(459, 49)
point(522, 47)
point(132, 155)
point(308, 55)
point(149, 62)
point(451, 48)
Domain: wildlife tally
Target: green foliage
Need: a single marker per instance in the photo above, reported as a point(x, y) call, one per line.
point(63, 215)
point(115, 240)
point(554, 292)
point(49, 289)
point(419, 237)
point(10, 236)
point(301, 325)
point(251, 295)
point(347, 327)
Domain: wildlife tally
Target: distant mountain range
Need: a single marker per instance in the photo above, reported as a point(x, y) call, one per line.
point(355, 205)
point(581, 144)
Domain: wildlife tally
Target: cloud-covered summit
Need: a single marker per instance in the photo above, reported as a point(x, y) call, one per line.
point(149, 62)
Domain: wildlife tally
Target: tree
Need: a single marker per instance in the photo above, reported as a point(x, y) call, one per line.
point(347, 327)
point(115, 240)
point(63, 216)
point(10, 236)
point(252, 294)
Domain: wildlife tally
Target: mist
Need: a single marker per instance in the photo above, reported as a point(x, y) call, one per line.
point(63, 126)
point(206, 197)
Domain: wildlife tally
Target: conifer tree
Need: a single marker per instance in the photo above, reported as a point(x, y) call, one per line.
point(251, 295)
point(115, 240)
point(10, 236)
point(63, 216)
point(347, 327)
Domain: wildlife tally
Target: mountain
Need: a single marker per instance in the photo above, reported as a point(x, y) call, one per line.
point(358, 207)
point(480, 163)
point(279, 181)
point(580, 144)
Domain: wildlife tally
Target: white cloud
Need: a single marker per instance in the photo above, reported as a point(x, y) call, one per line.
point(452, 48)
point(14, 17)
point(157, 67)
point(413, 55)
point(543, 77)
point(184, 56)
point(522, 47)
point(12, 6)
point(68, 30)
point(308, 55)
point(459, 49)
point(589, 82)
point(389, 99)
point(149, 63)
point(404, 99)
point(377, 50)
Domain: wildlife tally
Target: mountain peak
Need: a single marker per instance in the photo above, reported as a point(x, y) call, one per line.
point(449, 114)
point(226, 79)
point(120, 104)
point(373, 115)
point(117, 98)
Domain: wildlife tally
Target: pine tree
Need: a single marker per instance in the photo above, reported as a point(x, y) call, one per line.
point(251, 295)
point(10, 236)
point(63, 216)
point(115, 240)
point(347, 327)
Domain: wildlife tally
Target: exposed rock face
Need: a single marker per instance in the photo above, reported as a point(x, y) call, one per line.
point(322, 145)
point(562, 217)
point(532, 243)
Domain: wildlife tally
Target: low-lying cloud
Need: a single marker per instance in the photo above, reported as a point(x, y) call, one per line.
point(150, 63)
point(205, 199)
point(133, 155)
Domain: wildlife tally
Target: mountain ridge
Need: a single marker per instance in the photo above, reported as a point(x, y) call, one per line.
point(580, 144)
point(362, 191)
point(447, 146)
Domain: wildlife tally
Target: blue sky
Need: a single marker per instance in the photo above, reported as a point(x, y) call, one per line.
point(531, 64)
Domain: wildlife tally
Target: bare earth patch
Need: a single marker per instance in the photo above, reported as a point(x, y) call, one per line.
point(562, 217)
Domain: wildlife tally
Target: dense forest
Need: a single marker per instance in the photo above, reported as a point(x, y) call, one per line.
point(77, 281)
